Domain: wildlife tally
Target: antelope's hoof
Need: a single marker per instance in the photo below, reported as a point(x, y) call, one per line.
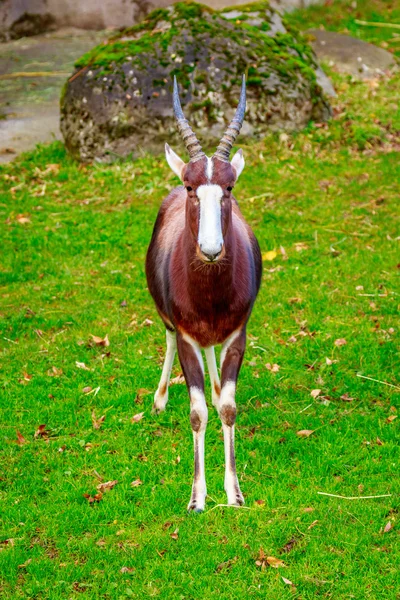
point(196, 504)
point(235, 497)
point(160, 402)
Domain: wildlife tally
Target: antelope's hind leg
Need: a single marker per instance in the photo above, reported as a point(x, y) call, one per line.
point(193, 370)
point(231, 360)
point(161, 395)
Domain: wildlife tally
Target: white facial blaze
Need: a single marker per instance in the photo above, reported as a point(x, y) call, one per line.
point(210, 237)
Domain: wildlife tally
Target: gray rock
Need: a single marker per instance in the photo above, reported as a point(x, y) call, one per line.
point(350, 55)
point(118, 101)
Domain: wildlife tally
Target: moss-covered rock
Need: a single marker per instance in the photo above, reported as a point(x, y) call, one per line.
point(119, 98)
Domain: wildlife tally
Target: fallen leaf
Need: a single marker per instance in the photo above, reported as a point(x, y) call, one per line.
point(20, 439)
point(260, 502)
point(9, 542)
point(25, 564)
point(81, 365)
point(91, 499)
point(346, 398)
point(283, 253)
point(379, 442)
point(137, 418)
point(100, 341)
point(178, 379)
point(313, 524)
point(147, 322)
point(226, 565)
point(123, 304)
point(305, 432)
point(86, 389)
point(270, 255)
point(300, 246)
point(107, 485)
point(41, 432)
point(275, 563)
point(287, 581)
point(391, 418)
point(308, 509)
point(273, 368)
point(23, 219)
point(292, 339)
point(315, 393)
point(54, 372)
point(340, 342)
point(388, 527)
point(127, 570)
point(136, 483)
point(97, 421)
point(289, 545)
point(175, 534)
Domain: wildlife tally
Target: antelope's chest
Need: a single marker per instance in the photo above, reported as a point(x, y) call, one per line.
point(213, 326)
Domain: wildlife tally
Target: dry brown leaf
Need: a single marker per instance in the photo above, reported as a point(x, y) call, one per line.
point(260, 502)
point(23, 219)
point(105, 342)
point(346, 398)
point(127, 570)
point(147, 322)
point(379, 442)
point(91, 499)
point(175, 534)
point(288, 547)
point(9, 542)
point(25, 564)
point(20, 439)
point(97, 422)
point(107, 485)
point(305, 432)
point(178, 379)
point(275, 563)
point(300, 246)
point(81, 365)
point(391, 418)
point(315, 393)
point(273, 368)
point(308, 509)
point(388, 527)
point(41, 432)
point(287, 581)
point(292, 339)
point(137, 418)
point(136, 483)
point(54, 372)
point(340, 342)
point(86, 389)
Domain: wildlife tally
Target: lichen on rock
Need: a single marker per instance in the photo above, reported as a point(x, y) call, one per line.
point(118, 101)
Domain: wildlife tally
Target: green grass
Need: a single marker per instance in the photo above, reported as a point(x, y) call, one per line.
point(73, 245)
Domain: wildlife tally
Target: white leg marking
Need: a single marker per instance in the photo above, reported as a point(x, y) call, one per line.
point(214, 377)
point(161, 395)
point(209, 168)
point(227, 343)
point(198, 419)
point(227, 411)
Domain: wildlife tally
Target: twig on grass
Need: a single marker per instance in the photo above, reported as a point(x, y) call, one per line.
point(374, 24)
point(396, 387)
point(353, 497)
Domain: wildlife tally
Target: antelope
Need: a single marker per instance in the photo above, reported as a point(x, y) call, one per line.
point(203, 269)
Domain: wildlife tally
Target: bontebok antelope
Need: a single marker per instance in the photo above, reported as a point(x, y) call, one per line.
point(203, 270)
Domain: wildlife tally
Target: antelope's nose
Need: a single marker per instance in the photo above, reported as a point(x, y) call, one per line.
point(212, 256)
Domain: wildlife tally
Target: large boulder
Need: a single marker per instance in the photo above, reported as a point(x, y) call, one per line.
point(118, 100)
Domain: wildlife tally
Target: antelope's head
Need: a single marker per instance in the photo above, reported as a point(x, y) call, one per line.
point(208, 181)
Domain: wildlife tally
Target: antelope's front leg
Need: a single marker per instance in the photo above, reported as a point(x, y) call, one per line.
point(193, 370)
point(231, 360)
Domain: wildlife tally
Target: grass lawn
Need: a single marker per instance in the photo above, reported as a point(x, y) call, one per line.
point(324, 205)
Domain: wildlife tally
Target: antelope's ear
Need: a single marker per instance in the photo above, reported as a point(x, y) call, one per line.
point(174, 161)
point(237, 163)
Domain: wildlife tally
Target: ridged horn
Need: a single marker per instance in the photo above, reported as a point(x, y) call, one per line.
point(189, 137)
point(228, 139)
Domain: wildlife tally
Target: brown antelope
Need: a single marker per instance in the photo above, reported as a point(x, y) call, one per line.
point(203, 271)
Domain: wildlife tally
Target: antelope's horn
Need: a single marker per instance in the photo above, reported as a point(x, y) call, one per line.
point(228, 139)
point(189, 137)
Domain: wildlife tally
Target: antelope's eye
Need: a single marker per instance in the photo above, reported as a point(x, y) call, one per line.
point(189, 189)
point(229, 188)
